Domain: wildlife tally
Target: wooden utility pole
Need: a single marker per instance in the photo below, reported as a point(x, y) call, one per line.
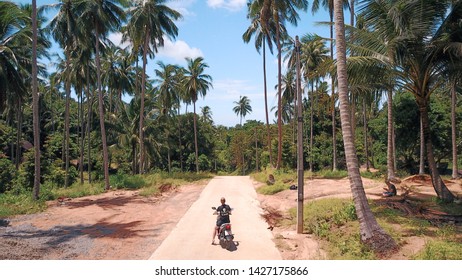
point(299, 142)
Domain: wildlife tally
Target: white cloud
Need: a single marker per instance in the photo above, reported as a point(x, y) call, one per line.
point(116, 38)
point(178, 50)
point(232, 5)
point(232, 89)
point(182, 6)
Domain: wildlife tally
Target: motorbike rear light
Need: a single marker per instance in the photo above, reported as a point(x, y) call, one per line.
point(228, 227)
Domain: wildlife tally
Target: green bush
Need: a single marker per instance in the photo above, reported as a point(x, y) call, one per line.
point(124, 181)
point(17, 204)
point(56, 175)
point(78, 190)
point(335, 222)
point(272, 189)
point(7, 174)
point(440, 250)
point(322, 215)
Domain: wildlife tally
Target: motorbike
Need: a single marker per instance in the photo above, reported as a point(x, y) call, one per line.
point(225, 234)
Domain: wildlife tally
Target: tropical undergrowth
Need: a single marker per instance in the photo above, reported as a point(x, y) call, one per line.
point(284, 179)
point(334, 223)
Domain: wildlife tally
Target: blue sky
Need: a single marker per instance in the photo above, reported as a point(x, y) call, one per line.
point(213, 29)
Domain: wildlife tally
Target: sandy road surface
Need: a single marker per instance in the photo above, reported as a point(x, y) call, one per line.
point(191, 238)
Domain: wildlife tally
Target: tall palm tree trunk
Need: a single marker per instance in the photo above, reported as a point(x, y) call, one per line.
point(143, 92)
point(390, 145)
point(440, 188)
point(134, 158)
point(66, 120)
point(334, 126)
point(19, 113)
point(366, 143)
point(370, 231)
point(179, 140)
point(89, 122)
point(278, 39)
point(455, 171)
point(35, 103)
point(195, 138)
point(422, 148)
point(101, 115)
point(265, 89)
point(312, 124)
point(82, 136)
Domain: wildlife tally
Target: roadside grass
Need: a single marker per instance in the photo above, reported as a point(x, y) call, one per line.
point(17, 202)
point(286, 178)
point(334, 223)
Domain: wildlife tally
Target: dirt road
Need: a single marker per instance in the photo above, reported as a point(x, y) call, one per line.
point(191, 238)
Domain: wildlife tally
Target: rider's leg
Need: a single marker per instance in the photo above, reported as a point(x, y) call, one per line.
point(215, 229)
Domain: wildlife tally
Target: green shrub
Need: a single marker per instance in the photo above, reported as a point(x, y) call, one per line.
point(78, 190)
point(334, 222)
point(330, 174)
point(124, 181)
point(440, 250)
point(17, 204)
point(272, 189)
point(7, 174)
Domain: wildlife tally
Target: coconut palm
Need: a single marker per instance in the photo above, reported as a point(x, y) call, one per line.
point(329, 5)
point(314, 59)
point(149, 22)
point(117, 75)
point(101, 17)
point(206, 114)
point(279, 12)
point(65, 30)
point(166, 86)
point(262, 38)
point(11, 34)
point(196, 83)
point(370, 231)
point(168, 97)
point(35, 102)
point(423, 50)
point(242, 107)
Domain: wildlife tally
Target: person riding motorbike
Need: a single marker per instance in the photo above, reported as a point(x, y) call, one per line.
point(223, 211)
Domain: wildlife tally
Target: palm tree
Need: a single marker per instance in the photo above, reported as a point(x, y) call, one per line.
point(262, 37)
point(35, 102)
point(15, 38)
point(206, 114)
point(166, 86)
point(12, 33)
point(280, 11)
point(314, 55)
point(423, 51)
point(65, 30)
point(370, 231)
point(167, 97)
point(329, 5)
point(117, 75)
point(149, 22)
point(102, 16)
point(196, 83)
point(128, 127)
point(242, 107)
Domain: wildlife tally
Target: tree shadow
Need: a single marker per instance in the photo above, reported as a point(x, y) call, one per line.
point(105, 202)
point(63, 234)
